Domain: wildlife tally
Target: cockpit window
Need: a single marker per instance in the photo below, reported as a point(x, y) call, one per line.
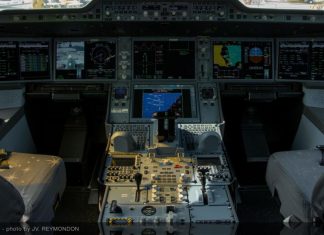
point(285, 4)
point(42, 4)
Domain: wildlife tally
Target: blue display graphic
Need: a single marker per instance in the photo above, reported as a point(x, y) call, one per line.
point(158, 102)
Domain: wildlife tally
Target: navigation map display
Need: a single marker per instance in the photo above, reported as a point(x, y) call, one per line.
point(242, 60)
point(85, 60)
point(100, 60)
point(164, 59)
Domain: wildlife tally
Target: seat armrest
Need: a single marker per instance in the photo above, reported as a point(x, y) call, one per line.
point(318, 198)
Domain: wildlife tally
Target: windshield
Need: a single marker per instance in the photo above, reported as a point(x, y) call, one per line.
point(41, 4)
point(285, 4)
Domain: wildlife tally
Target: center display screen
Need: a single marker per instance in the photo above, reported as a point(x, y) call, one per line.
point(164, 59)
point(248, 60)
point(85, 60)
point(149, 100)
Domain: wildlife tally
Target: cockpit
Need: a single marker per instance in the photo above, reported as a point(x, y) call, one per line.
point(162, 117)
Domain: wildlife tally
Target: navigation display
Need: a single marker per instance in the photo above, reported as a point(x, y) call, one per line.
point(24, 60)
point(227, 60)
point(248, 60)
point(85, 60)
point(149, 100)
point(164, 59)
point(34, 60)
point(9, 68)
point(100, 60)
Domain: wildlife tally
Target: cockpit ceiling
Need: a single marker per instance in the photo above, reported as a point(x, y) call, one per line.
point(77, 4)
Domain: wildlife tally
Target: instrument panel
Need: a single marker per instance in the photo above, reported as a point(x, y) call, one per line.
point(145, 59)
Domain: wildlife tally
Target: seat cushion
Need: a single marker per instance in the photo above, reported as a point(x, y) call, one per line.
point(294, 175)
point(40, 180)
point(11, 203)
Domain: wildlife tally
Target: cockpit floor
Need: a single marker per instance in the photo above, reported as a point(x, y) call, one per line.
point(74, 208)
point(258, 206)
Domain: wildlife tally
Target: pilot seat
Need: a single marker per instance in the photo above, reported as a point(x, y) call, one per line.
point(297, 177)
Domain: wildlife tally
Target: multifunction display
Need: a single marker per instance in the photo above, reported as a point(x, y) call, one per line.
point(85, 60)
point(178, 100)
point(27, 60)
point(301, 60)
point(242, 59)
point(164, 59)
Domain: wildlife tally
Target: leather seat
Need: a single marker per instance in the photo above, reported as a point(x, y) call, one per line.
point(298, 179)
